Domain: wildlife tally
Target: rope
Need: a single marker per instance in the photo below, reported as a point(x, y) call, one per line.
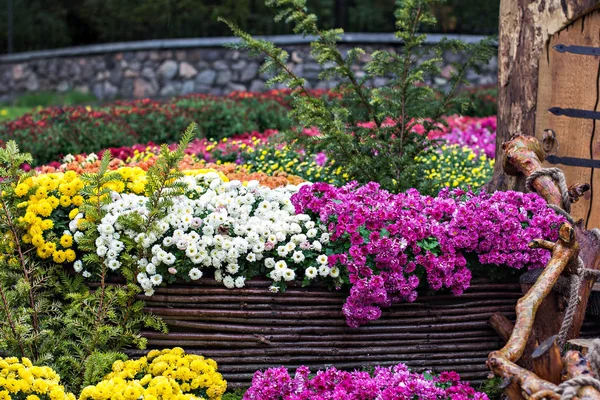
point(574, 299)
point(577, 279)
point(594, 356)
point(569, 389)
point(559, 177)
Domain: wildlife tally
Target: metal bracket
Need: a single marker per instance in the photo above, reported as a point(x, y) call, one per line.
point(573, 161)
point(581, 50)
point(575, 113)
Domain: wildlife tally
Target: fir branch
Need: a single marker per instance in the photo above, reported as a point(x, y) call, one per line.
point(10, 321)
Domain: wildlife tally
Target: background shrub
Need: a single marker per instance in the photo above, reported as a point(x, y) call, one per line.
point(55, 132)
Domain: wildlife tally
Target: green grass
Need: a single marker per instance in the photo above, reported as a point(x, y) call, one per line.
point(31, 102)
point(7, 113)
point(46, 99)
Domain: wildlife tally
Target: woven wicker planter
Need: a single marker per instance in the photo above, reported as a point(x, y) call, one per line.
point(248, 329)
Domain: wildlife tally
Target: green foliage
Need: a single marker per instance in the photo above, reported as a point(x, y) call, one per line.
point(367, 130)
point(480, 102)
point(493, 388)
point(237, 394)
point(99, 365)
point(26, 309)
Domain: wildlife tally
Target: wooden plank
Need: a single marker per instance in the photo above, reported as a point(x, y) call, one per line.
point(569, 80)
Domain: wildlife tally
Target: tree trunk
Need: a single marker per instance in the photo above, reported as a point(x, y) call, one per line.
point(525, 27)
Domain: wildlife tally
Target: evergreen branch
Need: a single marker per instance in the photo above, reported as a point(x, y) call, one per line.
point(10, 321)
point(17, 242)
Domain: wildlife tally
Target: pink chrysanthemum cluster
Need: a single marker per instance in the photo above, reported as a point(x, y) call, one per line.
point(393, 383)
point(390, 242)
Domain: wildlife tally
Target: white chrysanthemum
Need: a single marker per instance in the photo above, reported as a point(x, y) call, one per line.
point(290, 246)
point(150, 269)
point(78, 266)
point(251, 257)
point(317, 246)
point(311, 272)
point(142, 262)
point(325, 238)
point(311, 233)
point(281, 265)
point(149, 292)
point(288, 275)
point(77, 236)
point(229, 282)
point(195, 274)
point(167, 241)
point(156, 279)
point(282, 251)
point(232, 268)
point(275, 275)
point(335, 272)
point(113, 264)
point(298, 257)
point(322, 259)
point(191, 251)
point(218, 275)
point(324, 270)
point(240, 282)
point(273, 289)
point(269, 262)
point(101, 251)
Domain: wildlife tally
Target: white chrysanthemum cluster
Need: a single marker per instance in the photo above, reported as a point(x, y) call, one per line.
point(237, 230)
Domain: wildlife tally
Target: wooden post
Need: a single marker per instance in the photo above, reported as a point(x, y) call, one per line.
point(525, 27)
point(547, 362)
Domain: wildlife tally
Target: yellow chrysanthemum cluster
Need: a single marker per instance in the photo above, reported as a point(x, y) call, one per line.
point(166, 374)
point(48, 199)
point(455, 166)
point(51, 201)
point(22, 380)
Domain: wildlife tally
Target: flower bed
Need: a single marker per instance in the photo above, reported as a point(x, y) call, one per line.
point(171, 228)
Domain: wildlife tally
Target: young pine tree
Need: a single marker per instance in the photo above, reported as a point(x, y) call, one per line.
point(366, 130)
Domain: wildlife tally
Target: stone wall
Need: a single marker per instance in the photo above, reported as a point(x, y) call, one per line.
point(137, 70)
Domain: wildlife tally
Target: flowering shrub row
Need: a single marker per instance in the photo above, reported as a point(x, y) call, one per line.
point(452, 166)
point(171, 374)
point(55, 132)
point(390, 243)
point(51, 133)
point(390, 383)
